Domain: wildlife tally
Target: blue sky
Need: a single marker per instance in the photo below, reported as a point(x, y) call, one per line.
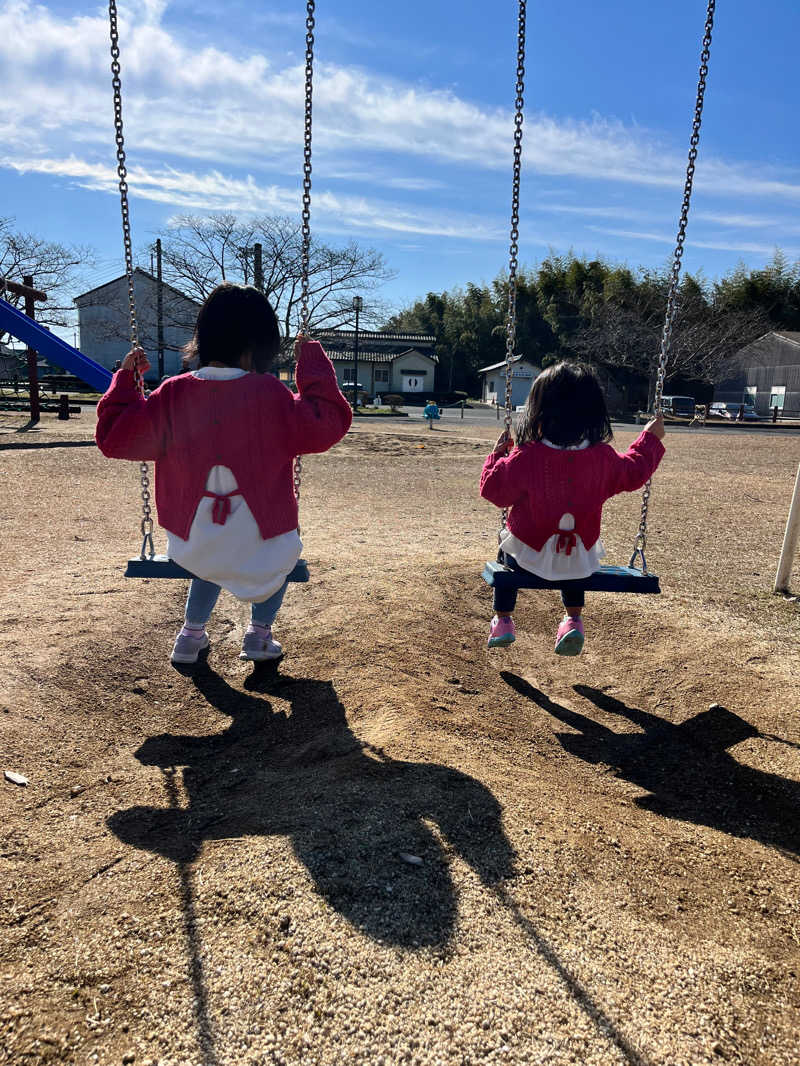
point(412, 127)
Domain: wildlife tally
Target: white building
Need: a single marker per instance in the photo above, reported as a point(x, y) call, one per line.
point(493, 381)
point(400, 363)
point(105, 328)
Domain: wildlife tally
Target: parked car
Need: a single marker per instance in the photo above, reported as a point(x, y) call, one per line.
point(731, 412)
point(680, 406)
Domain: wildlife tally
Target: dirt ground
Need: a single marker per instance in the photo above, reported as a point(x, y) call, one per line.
point(398, 847)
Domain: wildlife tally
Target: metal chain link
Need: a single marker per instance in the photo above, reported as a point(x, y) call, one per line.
point(306, 213)
point(640, 542)
point(305, 255)
point(147, 525)
point(513, 250)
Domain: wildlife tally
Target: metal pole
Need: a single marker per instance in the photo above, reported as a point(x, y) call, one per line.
point(258, 269)
point(160, 310)
point(790, 540)
point(357, 306)
point(33, 378)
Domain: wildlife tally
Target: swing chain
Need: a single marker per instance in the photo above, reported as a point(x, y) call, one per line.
point(640, 542)
point(148, 549)
point(306, 213)
point(122, 173)
point(305, 256)
point(513, 250)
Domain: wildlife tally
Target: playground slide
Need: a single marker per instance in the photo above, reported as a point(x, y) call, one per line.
point(52, 348)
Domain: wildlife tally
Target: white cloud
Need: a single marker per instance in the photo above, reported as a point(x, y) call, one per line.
point(208, 130)
point(203, 103)
point(712, 245)
point(215, 191)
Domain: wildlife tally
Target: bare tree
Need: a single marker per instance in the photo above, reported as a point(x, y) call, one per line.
point(626, 333)
point(201, 251)
point(55, 268)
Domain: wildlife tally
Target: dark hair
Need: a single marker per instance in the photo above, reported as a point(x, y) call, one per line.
point(233, 320)
point(566, 405)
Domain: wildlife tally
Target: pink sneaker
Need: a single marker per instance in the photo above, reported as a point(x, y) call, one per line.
point(569, 639)
point(502, 631)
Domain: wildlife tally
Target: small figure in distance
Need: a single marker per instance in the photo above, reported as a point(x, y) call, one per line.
point(431, 412)
point(555, 481)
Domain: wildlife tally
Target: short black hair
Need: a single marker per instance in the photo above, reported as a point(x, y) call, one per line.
point(566, 405)
point(233, 320)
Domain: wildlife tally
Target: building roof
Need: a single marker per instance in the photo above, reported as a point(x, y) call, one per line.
point(376, 336)
point(368, 356)
point(124, 277)
point(496, 366)
point(787, 335)
point(364, 356)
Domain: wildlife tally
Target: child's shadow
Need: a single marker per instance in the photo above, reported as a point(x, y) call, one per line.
point(687, 768)
point(351, 811)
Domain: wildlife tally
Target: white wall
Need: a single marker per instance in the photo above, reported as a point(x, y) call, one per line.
point(105, 328)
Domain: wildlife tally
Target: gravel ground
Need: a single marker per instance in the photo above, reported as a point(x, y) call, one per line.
point(397, 847)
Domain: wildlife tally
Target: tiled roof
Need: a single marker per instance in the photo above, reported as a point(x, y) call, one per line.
point(364, 356)
point(369, 356)
point(376, 335)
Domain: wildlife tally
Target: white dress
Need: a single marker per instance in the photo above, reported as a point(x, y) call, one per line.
point(552, 562)
point(234, 554)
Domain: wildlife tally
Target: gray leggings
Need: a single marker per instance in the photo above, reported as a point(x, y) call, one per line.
point(203, 596)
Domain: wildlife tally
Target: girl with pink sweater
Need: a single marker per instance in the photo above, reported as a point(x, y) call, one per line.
point(555, 482)
point(224, 438)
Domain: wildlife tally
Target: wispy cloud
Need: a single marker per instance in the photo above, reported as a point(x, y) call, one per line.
point(714, 245)
point(210, 128)
point(208, 104)
point(215, 191)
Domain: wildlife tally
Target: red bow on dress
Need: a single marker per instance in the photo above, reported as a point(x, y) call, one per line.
point(566, 541)
point(222, 505)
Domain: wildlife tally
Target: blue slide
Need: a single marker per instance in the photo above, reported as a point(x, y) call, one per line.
point(52, 348)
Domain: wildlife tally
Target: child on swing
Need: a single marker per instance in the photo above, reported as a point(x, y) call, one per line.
point(555, 482)
point(224, 438)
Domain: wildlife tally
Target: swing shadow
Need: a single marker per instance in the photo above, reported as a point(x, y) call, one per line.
point(686, 769)
point(360, 809)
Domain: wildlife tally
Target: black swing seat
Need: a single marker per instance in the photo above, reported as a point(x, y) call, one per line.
point(606, 579)
point(161, 566)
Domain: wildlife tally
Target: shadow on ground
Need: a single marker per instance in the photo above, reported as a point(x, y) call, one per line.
point(687, 770)
point(349, 809)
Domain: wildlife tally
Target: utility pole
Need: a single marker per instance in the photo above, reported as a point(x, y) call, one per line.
point(358, 304)
point(33, 376)
point(160, 310)
point(258, 269)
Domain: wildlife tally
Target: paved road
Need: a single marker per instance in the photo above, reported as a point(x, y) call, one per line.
point(482, 416)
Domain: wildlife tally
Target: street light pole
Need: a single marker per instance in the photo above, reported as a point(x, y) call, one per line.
point(358, 304)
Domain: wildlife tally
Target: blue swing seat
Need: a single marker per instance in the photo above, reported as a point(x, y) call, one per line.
point(606, 579)
point(161, 566)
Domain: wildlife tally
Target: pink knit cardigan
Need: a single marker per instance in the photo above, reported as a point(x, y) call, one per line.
point(540, 484)
point(253, 424)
